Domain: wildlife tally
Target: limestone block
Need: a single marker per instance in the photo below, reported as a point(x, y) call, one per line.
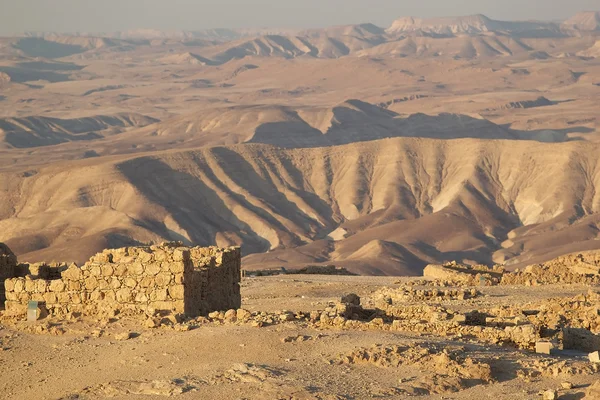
point(41, 286)
point(176, 292)
point(544, 347)
point(594, 357)
point(63, 297)
point(97, 295)
point(177, 267)
point(57, 286)
point(145, 256)
point(120, 269)
point(180, 254)
point(16, 308)
point(141, 297)
point(130, 282)
point(12, 296)
point(160, 255)
point(50, 298)
point(19, 285)
point(107, 270)
point(24, 297)
point(115, 283)
point(37, 296)
point(104, 283)
point(163, 279)
point(75, 298)
point(179, 279)
point(159, 295)
point(153, 268)
point(72, 273)
point(73, 285)
point(124, 295)
point(9, 285)
point(96, 270)
point(110, 296)
point(91, 283)
point(147, 281)
point(136, 268)
point(30, 285)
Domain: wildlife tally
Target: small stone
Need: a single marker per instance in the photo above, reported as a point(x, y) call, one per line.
point(566, 385)
point(594, 357)
point(151, 323)
point(544, 347)
point(230, 315)
point(124, 336)
point(550, 395)
point(243, 315)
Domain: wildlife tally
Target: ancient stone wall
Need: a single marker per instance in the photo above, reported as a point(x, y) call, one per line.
point(8, 265)
point(137, 279)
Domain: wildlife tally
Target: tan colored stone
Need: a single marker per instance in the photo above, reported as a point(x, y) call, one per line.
point(9, 285)
point(97, 295)
point(159, 295)
point(63, 297)
point(163, 279)
point(130, 282)
point(50, 298)
point(153, 268)
point(120, 270)
point(176, 292)
point(41, 286)
point(74, 285)
point(181, 254)
point(136, 268)
point(177, 267)
point(544, 347)
point(147, 282)
point(72, 273)
point(110, 296)
point(30, 286)
point(124, 295)
point(19, 285)
point(107, 270)
point(141, 298)
point(91, 283)
point(594, 357)
point(36, 296)
point(57, 286)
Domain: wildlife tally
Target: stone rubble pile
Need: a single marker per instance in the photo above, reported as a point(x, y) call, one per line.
point(445, 369)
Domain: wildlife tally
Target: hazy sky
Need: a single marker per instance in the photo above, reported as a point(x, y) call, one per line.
point(17, 16)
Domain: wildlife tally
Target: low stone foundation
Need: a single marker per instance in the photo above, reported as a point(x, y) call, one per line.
point(170, 278)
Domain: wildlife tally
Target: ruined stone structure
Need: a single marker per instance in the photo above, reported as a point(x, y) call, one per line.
point(169, 278)
point(8, 265)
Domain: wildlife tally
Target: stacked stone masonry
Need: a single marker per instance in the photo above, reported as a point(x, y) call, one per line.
point(165, 278)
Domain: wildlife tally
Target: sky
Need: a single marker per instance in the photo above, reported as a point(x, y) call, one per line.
point(17, 16)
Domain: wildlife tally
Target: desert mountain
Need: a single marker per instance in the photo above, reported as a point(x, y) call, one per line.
point(587, 21)
point(411, 201)
point(292, 127)
point(44, 131)
point(470, 25)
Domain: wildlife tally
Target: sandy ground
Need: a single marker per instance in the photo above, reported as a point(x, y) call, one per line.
point(244, 362)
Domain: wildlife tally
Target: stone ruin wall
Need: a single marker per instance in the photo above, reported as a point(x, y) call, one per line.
point(8, 265)
point(165, 278)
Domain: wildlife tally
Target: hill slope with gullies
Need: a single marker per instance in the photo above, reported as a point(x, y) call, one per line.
point(29, 132)
point(386, 207)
